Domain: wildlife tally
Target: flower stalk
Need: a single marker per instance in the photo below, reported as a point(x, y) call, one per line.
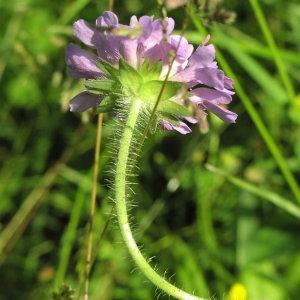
point(121, 207)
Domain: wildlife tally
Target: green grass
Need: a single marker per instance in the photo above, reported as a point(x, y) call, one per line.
point(211, 210)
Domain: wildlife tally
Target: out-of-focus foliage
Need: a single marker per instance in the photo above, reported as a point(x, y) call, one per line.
point(207, 230)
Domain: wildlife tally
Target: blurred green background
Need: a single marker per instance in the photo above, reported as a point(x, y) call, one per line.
point(204, 228)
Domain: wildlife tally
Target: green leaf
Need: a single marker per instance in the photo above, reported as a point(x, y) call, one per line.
point(151, 90)
point(171, 119)
point(129, 77)
point(108, 69)
point(173, 108)
point(106, 105)
point(101, 85)
point(150, 71)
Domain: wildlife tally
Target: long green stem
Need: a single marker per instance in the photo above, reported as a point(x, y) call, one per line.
point(274, 50)
point(88, 262)
point(120, 186)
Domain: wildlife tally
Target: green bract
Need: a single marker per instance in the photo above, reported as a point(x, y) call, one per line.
point(125, 83)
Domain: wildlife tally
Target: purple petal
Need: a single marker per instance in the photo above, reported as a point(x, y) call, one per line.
point(228, 83)
point(208, 76)
point(156, 52)
point(145, 23)
point(182, 47)
point(181, 128)
point(108, 19)
point(108, 48)
point(191, 120)
point(133, 22)
point(211, 77)
point(81, 63)
point(183, 51)
point(84, 101)
point(224, 114)
point(203, 57)
point(212, 95)
point(187, 75)
point(85, 33)
point(170, 25)
point(153, 30)
point(157, 25)
point(128, 49)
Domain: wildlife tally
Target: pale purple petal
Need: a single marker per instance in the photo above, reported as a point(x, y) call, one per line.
point(224, 114)
point(108, 48)
point(84, 101)
point(181, 128)
point(170, 25)
point(211, 77)
point(145, 24)
point(85, 33)
point(157, 25)
point(212, 95)
point(133, 22)
point(156, 52)
point(187, 75)
point(228, 83)
point(183, 51)
point(81, 63)
point(203, 57)
point(128, 49)
point(153, 30)
point(182, 47)
point(191, 120)
point(208, 76)
point(108, 19)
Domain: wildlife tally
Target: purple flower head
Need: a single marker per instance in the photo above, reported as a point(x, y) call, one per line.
point(133, 61)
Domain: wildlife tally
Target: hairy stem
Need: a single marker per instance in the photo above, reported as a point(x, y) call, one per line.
point(120, 186)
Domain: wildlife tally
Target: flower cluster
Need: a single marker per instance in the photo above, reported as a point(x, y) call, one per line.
point(133, 61)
